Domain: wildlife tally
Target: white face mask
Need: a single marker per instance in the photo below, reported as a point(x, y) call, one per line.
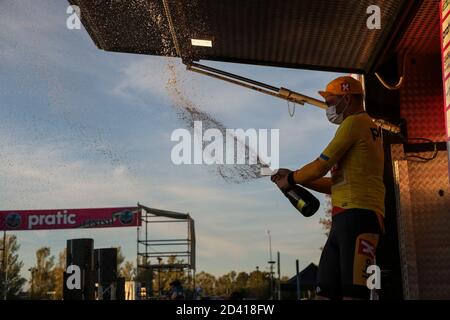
point(332, 114)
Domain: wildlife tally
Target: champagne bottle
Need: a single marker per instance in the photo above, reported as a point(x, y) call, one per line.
point(302, 200)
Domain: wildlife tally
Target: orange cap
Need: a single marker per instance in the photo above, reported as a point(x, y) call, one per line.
point(342, 86)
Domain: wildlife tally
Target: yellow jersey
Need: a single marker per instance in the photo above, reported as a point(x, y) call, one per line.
point(356, 158)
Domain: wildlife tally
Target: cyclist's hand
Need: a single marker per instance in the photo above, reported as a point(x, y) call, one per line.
point(280, 173)
point(281, 178)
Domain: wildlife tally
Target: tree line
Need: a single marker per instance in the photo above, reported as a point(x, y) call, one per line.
point(46, 277)
point(255, 284)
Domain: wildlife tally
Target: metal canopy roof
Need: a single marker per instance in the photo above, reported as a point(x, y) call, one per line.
point(311, 34)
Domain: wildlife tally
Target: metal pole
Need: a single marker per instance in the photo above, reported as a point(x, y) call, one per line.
point(5, 267)
point(271, 262)
point(257, 281)
point(271, 265)
point(137, 261)
point(298, 280)
point(281, 93)
point(191, 281)
point(159, 277)
point(234, 76)
point(279, 275)
point(194, 280)
point(270, 245)
point(136, 280)
point(146, 217)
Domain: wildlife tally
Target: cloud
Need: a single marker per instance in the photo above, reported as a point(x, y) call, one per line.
point(213, 195)
point(46, 177)
point(226, 101)
point(144, 75)
point(25, 26)
point(214, 247)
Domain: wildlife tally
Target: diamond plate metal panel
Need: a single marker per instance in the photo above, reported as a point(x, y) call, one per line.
point(423, 195)
point(422, 36)
point(408, 257)
point(431, 216)
point(325, 34)
point(421, 98)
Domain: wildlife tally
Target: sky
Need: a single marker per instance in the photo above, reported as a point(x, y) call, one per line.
point(82, 128)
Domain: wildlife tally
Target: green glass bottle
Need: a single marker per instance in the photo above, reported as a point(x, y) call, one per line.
point(302, 200)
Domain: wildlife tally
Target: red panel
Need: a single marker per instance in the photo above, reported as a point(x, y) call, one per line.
point(422, 36)
point(421, 98)
point(445, 56)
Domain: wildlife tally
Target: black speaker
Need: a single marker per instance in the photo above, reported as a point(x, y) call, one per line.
point(105, 265)
point(71, 294)
point(80, 252)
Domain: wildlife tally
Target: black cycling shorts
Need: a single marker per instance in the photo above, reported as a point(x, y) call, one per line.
point(349, 250)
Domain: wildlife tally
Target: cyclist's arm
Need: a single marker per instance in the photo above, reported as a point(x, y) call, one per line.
point(317, 169)
point(311, 172)
point(322, 185)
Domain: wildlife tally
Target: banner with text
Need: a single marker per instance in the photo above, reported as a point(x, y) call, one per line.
point(16, 220)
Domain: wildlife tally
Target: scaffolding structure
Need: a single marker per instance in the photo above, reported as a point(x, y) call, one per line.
point(164, 254)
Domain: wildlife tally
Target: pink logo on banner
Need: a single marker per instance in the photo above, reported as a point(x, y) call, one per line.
point(69, 218)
